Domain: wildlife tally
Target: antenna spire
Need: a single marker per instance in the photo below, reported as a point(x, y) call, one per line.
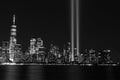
point(14, 19)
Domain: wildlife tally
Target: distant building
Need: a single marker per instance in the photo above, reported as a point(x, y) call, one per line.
point(18, 53)
point(32, 47)
point(13, 41)
point(40, 50)
point(4, 56)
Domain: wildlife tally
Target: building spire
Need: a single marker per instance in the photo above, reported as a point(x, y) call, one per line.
point(13, 19)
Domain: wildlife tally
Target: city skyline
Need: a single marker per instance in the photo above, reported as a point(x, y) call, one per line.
point(59, 40)
point(99, 25)
point(11, 51)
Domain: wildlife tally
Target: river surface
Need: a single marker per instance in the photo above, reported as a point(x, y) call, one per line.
point(58, 72)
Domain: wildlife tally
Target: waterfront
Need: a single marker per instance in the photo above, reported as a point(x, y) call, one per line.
point(58, 72)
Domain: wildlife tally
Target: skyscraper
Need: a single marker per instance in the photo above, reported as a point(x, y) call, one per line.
point(13, 40)
point(32, 46)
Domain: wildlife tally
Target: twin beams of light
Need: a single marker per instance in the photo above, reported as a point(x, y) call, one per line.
point(74, 27)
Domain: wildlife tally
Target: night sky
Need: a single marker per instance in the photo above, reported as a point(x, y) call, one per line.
point(47, 19)
point(50, 20)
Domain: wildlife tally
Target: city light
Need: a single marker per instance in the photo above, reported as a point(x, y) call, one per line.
point(38, 54)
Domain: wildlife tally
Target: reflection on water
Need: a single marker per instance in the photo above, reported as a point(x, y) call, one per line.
point(39, 72)
point(11, 73)
point(34, 73)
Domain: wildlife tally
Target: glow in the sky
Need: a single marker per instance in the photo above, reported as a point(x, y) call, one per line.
point(77, 25)
point(72, 29)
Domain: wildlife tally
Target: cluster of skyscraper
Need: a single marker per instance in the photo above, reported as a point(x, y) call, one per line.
point(11, 52)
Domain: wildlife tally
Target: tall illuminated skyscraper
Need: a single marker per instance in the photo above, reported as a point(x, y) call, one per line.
point(13, 40)
point(32, 46)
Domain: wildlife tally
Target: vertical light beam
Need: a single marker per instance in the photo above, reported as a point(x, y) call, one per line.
point(77, 26)
point(72, 30)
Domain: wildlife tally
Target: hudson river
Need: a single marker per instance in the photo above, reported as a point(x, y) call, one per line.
point(58, 72)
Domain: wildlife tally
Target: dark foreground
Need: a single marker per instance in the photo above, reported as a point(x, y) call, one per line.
point(59, 72)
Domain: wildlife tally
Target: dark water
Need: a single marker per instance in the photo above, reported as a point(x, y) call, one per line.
point(51, 72)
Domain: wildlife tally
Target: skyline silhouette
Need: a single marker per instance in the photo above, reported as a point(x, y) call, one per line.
point(50, 20)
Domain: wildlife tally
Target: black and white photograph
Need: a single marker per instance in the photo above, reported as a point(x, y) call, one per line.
point(59, 40)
